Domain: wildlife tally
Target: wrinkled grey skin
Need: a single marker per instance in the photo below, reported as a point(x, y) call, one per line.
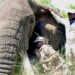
point(16, 26)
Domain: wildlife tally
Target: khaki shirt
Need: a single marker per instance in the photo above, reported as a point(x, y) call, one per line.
point(49, 58)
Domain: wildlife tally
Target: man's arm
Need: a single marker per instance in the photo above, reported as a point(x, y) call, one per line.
point(60, 19)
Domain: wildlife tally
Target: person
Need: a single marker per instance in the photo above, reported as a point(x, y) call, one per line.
point(49, 58)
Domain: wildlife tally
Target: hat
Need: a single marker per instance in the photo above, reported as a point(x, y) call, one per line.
point(40, 39)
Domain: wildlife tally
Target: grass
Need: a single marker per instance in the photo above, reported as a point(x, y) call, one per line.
point(18, 68)
point(37, 67)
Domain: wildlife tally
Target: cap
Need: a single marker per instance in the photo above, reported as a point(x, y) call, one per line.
point(40, 39)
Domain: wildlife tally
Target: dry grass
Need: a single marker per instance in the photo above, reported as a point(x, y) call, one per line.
point(37, 67)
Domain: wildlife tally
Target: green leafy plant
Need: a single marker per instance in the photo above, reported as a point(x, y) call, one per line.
point(64, 14)
point(71, 6)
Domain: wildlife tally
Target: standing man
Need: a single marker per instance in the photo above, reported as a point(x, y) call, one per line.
point(49, 58)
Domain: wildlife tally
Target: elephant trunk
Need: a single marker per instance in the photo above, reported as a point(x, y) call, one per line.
point(10, 36)
point(13, 35)
point(15, 31)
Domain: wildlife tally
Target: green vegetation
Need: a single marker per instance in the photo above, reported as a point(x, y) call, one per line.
point(71, 6)
point(45, 1)
point(18, 68)
point(64, 14)
point(37, 67)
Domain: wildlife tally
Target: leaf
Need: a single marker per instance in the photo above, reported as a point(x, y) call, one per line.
point(71, 6)
point(64, 14)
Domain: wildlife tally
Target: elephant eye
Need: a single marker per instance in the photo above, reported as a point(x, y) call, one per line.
point(31, 21)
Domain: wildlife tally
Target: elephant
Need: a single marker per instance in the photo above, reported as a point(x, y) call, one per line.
point(17, 22)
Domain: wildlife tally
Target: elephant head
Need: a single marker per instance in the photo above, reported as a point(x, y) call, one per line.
point(16, 25)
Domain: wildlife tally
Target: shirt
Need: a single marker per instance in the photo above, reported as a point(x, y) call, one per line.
point(49, 58)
